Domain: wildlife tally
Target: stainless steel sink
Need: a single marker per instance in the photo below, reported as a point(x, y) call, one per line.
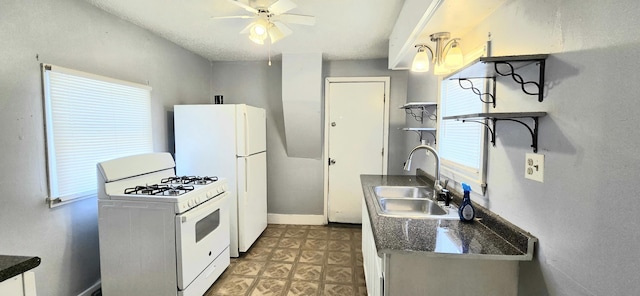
point(410, 206)
point(402, 191)
point(415, 202)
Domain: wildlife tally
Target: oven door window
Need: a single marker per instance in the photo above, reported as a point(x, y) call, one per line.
point(207, 225)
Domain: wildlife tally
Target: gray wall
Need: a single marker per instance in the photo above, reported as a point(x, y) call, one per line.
point(295, 185)
point(72, 34)
point(585, 212)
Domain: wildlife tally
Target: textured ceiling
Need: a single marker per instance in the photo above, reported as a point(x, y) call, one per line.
point(344, 29)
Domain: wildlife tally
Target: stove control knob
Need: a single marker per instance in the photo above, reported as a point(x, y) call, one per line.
point(191, 203)
point(210, 194)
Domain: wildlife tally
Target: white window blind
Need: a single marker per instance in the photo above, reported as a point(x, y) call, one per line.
point(462, 143)
point(89, 119)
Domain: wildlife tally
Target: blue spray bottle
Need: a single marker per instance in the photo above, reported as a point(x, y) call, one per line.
point(466, 210)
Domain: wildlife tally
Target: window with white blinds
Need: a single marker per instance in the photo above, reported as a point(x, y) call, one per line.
point(462, 144)
point(89, 119)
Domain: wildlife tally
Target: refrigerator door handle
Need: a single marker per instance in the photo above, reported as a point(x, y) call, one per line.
point(246, 176)
point(246, 134)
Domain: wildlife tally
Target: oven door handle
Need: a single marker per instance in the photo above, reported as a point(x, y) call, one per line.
point(204, 208)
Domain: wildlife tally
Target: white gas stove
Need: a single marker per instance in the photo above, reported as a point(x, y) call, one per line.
point(159, 231)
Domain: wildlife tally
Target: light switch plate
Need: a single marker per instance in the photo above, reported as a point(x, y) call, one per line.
point(534, 167)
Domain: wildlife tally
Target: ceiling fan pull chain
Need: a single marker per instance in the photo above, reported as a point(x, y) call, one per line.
point(269, 52)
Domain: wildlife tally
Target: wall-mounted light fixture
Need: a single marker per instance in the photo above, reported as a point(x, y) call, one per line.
point(445, 57)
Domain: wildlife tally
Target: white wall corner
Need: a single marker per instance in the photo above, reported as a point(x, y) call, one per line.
point(302, 104)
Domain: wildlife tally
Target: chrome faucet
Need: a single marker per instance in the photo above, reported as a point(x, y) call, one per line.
point(437, 188)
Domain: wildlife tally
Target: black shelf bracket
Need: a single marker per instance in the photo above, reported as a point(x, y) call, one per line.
point(422, 113)
point(518, 79)
point(533, 131)
point(420, 135)
point(479, 93)
point(489, 128)
point(507, 116)
point(489, 67)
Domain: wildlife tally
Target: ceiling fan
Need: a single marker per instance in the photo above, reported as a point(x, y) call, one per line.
point(270, 21)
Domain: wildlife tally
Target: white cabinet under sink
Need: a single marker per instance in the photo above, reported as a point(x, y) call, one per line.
point(373, 264)
point(19, 285)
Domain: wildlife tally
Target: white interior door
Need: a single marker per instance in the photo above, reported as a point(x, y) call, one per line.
point(356, 141)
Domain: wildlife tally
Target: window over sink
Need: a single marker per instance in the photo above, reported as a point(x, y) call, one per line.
point(89, 119)
point(462, 146)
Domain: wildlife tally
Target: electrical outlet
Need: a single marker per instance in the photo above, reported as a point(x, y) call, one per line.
point(534, 167)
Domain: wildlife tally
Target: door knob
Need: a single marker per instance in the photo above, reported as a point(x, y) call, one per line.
point(333, 123)
point(332, 161)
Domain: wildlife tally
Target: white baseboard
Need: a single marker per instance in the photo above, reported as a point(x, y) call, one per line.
point(91, 289)
point(296, 219)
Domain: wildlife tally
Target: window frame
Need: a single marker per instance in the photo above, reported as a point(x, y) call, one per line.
point(61, 80)
point(456, 172)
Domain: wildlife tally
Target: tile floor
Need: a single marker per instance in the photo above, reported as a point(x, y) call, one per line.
point(298, 260)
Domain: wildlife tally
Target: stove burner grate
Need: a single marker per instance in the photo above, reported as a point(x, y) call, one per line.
point(196, 180)
point(159, 189)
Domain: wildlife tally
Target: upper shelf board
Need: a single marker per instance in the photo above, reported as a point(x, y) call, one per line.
point(419, 129)
point(483, 67)
point(497, 115)
point(418, 105)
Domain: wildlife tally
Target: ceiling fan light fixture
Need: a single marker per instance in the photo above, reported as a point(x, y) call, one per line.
point(275, 34)
point(256, 40)
point(258, 31)
point(269, 21)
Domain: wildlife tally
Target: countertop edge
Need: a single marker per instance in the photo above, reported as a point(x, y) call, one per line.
point(18, 265)
point(525, 257)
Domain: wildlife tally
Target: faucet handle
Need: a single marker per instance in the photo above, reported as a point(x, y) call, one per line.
point(446, 196)
point(446, 182)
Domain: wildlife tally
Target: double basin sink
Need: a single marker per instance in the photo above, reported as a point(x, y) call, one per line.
point(410, 202)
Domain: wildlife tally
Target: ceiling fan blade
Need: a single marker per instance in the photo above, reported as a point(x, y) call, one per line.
point(281, 6)
point(308, 20)
point(247, 28)
point(244, 6)
point(283, 28)
point(278, 31)
point(232, 17)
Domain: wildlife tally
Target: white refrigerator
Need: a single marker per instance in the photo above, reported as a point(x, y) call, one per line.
point(228, 140)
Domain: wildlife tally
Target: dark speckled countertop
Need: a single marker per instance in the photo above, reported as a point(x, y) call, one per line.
point(11, 266)
point(489, 237)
